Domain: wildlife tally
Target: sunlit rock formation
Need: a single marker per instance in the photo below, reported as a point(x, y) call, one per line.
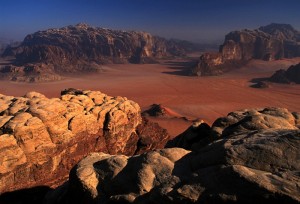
point(42, 138)
point(249, 156)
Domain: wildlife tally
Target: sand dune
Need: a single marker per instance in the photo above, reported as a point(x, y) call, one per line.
point(193, 97)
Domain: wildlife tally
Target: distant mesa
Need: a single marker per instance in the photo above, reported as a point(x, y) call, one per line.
point(271, 42)
point(211, 64)
point(82, 48)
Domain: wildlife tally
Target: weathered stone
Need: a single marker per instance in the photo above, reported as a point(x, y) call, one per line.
point(11, 154)
point(254, 120)
point(267, 42)
point(41, 138)
point(254, 159)
point(271, 42)
point(45, 55)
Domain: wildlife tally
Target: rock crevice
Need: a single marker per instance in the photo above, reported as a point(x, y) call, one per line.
point(42, 136)
point(249, 156)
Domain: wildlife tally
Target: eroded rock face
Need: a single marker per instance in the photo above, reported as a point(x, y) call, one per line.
point(274, 41)
point(42, 138)
point(31, 73)
point(211, 64)
point(271, 42)
point(253, 159)
point(82, 42)
point(82, 48)
point(200, 134)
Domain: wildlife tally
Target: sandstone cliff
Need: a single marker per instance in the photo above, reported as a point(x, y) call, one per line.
point(274, 41)
point(271, 42)
point(42, 138)
point(250, 156)
point(82, 48)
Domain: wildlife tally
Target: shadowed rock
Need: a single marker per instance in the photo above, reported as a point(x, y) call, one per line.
point(291, 75)
point(253, 158)
point(42, 138)
point(156, 110)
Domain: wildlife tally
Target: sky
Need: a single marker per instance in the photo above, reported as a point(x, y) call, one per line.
point(203, 21)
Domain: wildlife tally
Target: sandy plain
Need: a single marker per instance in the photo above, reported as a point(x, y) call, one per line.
point(168, 84)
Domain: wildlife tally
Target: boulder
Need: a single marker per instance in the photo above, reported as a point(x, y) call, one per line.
point(252, 158)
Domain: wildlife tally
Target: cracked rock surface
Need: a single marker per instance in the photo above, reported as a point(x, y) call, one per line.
point(42, 138)
point(253, 157)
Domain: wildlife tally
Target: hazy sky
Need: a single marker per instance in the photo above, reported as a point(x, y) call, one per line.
point(195, 20)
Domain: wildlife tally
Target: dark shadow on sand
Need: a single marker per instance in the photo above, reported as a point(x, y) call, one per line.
point(180, 68)
point(259, 82)
point(256, 80)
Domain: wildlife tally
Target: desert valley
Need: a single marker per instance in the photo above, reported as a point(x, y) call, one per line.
point(168, 84)
point(97, 115)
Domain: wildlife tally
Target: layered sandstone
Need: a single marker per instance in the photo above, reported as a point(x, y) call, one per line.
point(42, 138)
point(271, 42)
point(251, 157)
point(211, 64)
point(274, 41)
point(83, 48)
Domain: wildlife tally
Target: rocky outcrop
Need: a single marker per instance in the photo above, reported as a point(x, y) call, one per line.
point(201, 134)
point(274, 41)
point(160, 111)
point(151, 136)
point(211, 64)
point(156, 110)
point(42, 138)
point(252, 158)
point(82, 48)
point(291, 75)
point(271, 42)
point(30, 73)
